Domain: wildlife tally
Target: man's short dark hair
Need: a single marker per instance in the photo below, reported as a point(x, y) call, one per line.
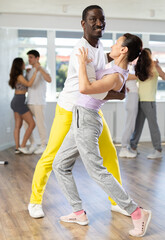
point(34, 52)
point(91, 7)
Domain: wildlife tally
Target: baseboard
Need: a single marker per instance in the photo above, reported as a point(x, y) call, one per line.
point(6, 145)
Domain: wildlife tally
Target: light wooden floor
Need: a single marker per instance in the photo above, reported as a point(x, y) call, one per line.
point(144, 179)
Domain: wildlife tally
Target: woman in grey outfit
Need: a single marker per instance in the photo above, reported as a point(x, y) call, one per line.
point(84, 133)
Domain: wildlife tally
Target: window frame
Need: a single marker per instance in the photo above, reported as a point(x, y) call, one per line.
point(51, 35)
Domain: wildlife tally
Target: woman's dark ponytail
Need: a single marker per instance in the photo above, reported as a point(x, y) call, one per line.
point(143, 65)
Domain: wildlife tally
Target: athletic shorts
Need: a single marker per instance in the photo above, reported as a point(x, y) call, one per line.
point(18, 104)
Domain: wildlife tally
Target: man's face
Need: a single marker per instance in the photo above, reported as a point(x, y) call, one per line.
point(94, 24)
point(32, 59)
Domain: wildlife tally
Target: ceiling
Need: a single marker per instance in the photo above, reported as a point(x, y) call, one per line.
point(134, 9)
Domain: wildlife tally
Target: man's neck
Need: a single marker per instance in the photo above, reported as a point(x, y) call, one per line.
point(92, 41)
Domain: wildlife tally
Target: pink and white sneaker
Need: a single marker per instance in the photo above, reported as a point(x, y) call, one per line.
point(81, 219)
point(141, 225)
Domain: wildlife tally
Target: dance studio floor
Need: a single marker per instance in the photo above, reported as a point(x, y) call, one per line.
point(143, 179)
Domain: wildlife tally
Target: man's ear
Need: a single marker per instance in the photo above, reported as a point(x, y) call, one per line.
point(83, 24)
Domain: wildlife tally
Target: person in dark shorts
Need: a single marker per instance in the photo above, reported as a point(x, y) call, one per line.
point(18, 103)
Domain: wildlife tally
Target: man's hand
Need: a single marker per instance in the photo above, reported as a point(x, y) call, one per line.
point(109, 58)
point(116, 95)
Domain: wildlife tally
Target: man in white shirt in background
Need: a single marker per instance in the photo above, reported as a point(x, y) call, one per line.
point(131, 107)
point(37, 100)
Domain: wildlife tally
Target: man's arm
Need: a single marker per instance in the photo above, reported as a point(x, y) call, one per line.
point(45, 75)
point(109, 58)
point(132, 77)
point(116, 95)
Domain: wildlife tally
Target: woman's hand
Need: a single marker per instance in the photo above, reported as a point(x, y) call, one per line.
point(37, 66)
point(83, 56)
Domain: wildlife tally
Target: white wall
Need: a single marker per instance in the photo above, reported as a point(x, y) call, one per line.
point(8, 51)
point(29, 21)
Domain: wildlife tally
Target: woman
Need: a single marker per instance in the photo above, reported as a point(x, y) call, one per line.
point(147, 102)
point(85, 131)
point(18, 105)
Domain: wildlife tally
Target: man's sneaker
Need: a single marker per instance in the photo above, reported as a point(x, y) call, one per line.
point(17, 151)
point(24, 150)
point(40, 150)
point(125, 153)
point(141, 225)
point(156, 154)
point(116, 208)
point(35, 210)
point(73, 218)
point(32, 148)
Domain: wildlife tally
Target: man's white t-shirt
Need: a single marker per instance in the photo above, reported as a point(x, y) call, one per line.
point(70, 93)
point(37, 92)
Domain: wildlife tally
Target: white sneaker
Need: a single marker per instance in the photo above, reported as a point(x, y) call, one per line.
point(116, 208)
point(35, 210)
point(156, 154)
point(134, 151)
point(32, 148)
point(125, 153)
point(40, 150)
point(17, 151)
point(24, 150)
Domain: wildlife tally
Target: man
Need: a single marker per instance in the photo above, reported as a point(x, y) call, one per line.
point(37, 99)
point(93, 24)
point(131, 107)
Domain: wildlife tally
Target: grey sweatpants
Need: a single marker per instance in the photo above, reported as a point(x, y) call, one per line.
point(131, 107)
point(82, 139)
point(147, 110)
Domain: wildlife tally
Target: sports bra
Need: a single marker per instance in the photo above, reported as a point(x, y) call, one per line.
point(20, 86)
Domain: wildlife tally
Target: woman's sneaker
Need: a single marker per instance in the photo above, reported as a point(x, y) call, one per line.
point(24, 150)
point(141, 225)
point(73, 218)
point(155, 155)
point(17, 151)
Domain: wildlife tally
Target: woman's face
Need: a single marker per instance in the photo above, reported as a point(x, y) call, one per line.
point(116, 48)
